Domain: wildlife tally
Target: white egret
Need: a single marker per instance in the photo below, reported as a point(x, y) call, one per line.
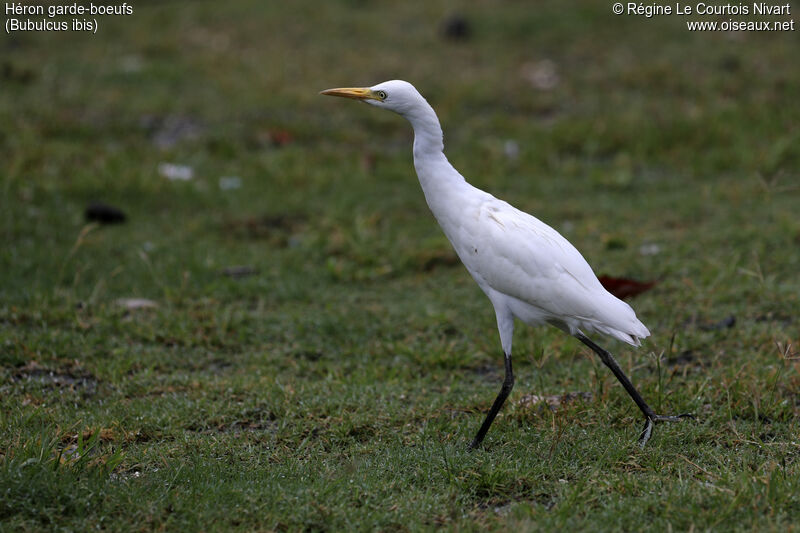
point(526, 268)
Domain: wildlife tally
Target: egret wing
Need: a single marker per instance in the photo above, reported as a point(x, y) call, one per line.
point(520, 256)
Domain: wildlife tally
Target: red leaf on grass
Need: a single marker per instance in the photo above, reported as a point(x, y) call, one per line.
point(279, 137)
point(624, 287)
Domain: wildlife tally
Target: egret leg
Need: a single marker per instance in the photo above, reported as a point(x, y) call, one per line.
point(505, 390)
point(650, 416)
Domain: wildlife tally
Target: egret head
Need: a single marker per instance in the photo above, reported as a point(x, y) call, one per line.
point(395, 95)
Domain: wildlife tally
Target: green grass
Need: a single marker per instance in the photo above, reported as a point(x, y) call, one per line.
point(338, 386)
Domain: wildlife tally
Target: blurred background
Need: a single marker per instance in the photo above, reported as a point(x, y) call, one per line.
point(196, 242)
point(202, 123)
point(540, 104)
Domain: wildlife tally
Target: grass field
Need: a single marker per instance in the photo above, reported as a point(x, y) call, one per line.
point(334, 383)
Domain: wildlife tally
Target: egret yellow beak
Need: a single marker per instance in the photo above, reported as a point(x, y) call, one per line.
point(357, 93)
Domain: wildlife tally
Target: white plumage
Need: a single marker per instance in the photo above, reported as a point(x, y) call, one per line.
point(526, 268)
point(530, 271)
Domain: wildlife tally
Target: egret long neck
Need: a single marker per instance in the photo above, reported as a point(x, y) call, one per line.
point(436, 175)
point(427, 131)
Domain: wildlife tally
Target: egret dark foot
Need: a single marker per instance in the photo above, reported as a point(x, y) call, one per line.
point(649, 420)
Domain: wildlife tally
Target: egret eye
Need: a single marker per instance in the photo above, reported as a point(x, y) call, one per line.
point(382, 95)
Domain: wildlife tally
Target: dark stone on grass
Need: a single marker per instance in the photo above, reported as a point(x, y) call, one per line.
point(311, 355)
point(104, 214)
point(450, 330)
point(456, 28)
